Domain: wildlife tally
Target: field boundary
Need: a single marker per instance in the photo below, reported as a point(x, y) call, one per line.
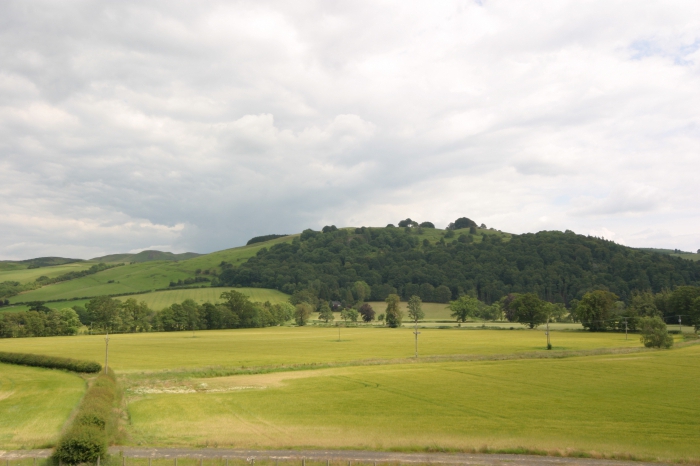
point(221, 371)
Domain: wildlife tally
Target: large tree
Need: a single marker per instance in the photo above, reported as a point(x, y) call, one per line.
point(325, 313)
point(464, 308)
point(415, 309)
point(103, 312)
point(529, 310)
point(367, 312)
point(394, 316)
point(595, 311)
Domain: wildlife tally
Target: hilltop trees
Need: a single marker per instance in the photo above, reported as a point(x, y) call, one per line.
point(558, 267)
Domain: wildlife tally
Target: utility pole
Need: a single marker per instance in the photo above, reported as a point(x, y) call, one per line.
point(106, 350)
point(625, 328)
point(416, 332)
point(548, 343)
point(680, 329)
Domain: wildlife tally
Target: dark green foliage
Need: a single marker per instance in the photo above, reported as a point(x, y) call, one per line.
point(39, 324)
point(367, 312)
point(528, 309)
point(94, 424)
point(596, 310)
point(556, 266)
point(262, 239)
point(654, 333)
point(50, 362)
point(427, 225)
point(460, 223)
point(408, 223)
point(394, 316)
point(329, 229)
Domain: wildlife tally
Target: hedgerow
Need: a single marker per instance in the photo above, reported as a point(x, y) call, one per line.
point(94, 424)
point(51, 362)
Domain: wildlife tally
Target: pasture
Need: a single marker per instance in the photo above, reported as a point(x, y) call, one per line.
point(277, 346)
point(641, 405)
point(34, 405)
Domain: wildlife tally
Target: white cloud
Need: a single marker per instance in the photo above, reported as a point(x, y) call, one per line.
point(197, 126)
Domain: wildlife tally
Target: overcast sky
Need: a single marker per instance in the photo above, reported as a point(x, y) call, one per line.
point(195, 126)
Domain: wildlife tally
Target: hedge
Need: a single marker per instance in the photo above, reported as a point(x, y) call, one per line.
point(94, 424)
point(51, 362)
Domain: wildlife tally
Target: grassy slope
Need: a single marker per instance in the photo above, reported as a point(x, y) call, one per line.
point(24, 275)
point(605, 404)
point(140, 277)
point(34, 405)
point(294, 345)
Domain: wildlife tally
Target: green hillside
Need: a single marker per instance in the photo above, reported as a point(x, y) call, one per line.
point(143, 276)
point(147, 256)
point(23, 274)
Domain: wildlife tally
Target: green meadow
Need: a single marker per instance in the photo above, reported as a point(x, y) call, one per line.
point(34, 405)
point(276, 346)
point(640, 405)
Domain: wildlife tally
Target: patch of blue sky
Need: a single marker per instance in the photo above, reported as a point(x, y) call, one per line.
point(646, 48)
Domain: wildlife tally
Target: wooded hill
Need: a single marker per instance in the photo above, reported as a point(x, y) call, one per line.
point(557, 266)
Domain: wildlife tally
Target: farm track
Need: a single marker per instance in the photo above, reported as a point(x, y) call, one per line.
point(348, 455)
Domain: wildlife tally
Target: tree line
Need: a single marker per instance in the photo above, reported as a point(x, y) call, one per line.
point(105, 314)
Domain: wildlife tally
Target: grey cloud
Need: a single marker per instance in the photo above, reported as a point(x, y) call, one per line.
point(197, 126)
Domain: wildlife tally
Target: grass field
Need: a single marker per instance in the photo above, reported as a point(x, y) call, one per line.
point(34, 405)
point(299, 345)
point(607, 404)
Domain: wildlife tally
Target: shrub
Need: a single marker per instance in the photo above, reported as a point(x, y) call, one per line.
point(654, 333)
point(81, 444)
point(51, 362)
point(94, 424)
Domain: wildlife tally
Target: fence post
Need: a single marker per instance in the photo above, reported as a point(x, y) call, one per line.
point(303, 462)
point(176, 461)
point(98, 461)
point(123, 460)
point(201, 460)
point(149, 461)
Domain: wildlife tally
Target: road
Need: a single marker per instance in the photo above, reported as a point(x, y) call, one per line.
point(347, 455)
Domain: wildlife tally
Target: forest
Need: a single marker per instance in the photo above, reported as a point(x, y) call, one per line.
point(557, 266)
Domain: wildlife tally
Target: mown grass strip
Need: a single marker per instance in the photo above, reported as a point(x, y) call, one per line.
point(219, 371)
point(50, 362)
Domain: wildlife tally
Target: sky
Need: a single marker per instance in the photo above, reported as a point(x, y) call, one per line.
point(194, 126)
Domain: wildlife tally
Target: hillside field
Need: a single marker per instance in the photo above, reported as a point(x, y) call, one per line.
point(159, 299)
point(34, 405)
point(25, 275)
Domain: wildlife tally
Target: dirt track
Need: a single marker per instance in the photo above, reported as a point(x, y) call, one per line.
point(348, 455)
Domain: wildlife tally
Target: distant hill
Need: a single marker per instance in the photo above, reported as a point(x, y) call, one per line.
point(41, 262)
point(557, 266)
point(147, 256)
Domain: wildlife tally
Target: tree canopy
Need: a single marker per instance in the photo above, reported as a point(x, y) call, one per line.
point(557, 267)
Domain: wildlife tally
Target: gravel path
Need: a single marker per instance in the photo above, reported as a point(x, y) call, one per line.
point(348, 455)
